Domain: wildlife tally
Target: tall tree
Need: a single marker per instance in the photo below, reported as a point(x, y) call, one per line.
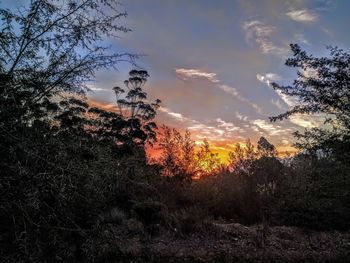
point(134, 107)
point(178, 154)
point(322, 86)
point(241, 158)
point(265, 148)
point(207, 162)
point(48, 47)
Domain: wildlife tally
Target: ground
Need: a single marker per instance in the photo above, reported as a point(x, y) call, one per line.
point(232, 243)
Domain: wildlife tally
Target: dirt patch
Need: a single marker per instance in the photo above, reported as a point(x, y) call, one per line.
point(238, 243)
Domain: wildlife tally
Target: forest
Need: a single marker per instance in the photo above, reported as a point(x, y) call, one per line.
point(76, 183)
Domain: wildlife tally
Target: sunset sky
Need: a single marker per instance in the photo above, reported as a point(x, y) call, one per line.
point(211, 62)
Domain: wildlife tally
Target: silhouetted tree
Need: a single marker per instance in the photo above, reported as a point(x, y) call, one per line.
point(242, 156)
point(265, 148)
point(132, 125)
point(170, 147)
point(135, 109)
point(178, 154)
point(56, 179)
point(188, 161)
point(208, 163)
point(51, 47)
point(322, 87)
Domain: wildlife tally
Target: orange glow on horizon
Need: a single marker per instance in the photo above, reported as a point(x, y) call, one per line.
point(221, 148)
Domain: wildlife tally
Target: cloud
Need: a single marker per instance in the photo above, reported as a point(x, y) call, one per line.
point(309, 73)
point(175, 115)
point(260, 33)
point(302, 15)
point(285, 142)
point(269, 128)
point(214, 130)
point(268, 79)
point(228, 126)
point(186, 74)
point(202, 130)
point(257, 108)
point(307, 121)
point(241, 116)
point(279, 104)
point(231, 90)
point(300, 38)
point(92, 87)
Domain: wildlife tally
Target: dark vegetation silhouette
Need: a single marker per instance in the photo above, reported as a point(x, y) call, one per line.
point(75, 182)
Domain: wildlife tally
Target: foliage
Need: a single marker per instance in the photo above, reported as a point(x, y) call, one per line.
point(133, 107)
point(178, 154)
point(50, 47)
point(208, 163)
point(132, 127)
point(320, 183)
point(321, 87)
point(75, 181)
point(265, 148)
point(314, 196)
point(59, 180)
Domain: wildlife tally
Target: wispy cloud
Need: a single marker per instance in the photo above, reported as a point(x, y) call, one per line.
point(260, 33)
point(175, 115)
point(231, 90)
point(92, 87)
point(228, 126)
point(307, 121)
point(269, 128)
point(241, 116)
point(268, 79)
point(302, 15)
point(186, 74)
point(202, 130)
point(304, 121)
point(300, 38)
point(214, 130)
point(279, 104)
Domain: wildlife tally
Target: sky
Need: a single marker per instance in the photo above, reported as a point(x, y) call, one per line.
point(212, 62)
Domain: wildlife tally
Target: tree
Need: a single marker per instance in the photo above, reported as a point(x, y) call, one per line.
point(207, 162)
point(322, 87)
point(169, 145)
point(242, 157)
point(134, 109)
point(265, 148)
point(132, 124)
point(322, 171)
point(178, 154)
point(188, 161)
point(56, 179)
point(49, 47)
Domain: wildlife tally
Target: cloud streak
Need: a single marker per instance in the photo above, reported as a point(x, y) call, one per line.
point(269, 128)
point(186, 74)
point(307, 121)
point(268, 79)
point(261, 34)
point(302, 15)
point(215, 130)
